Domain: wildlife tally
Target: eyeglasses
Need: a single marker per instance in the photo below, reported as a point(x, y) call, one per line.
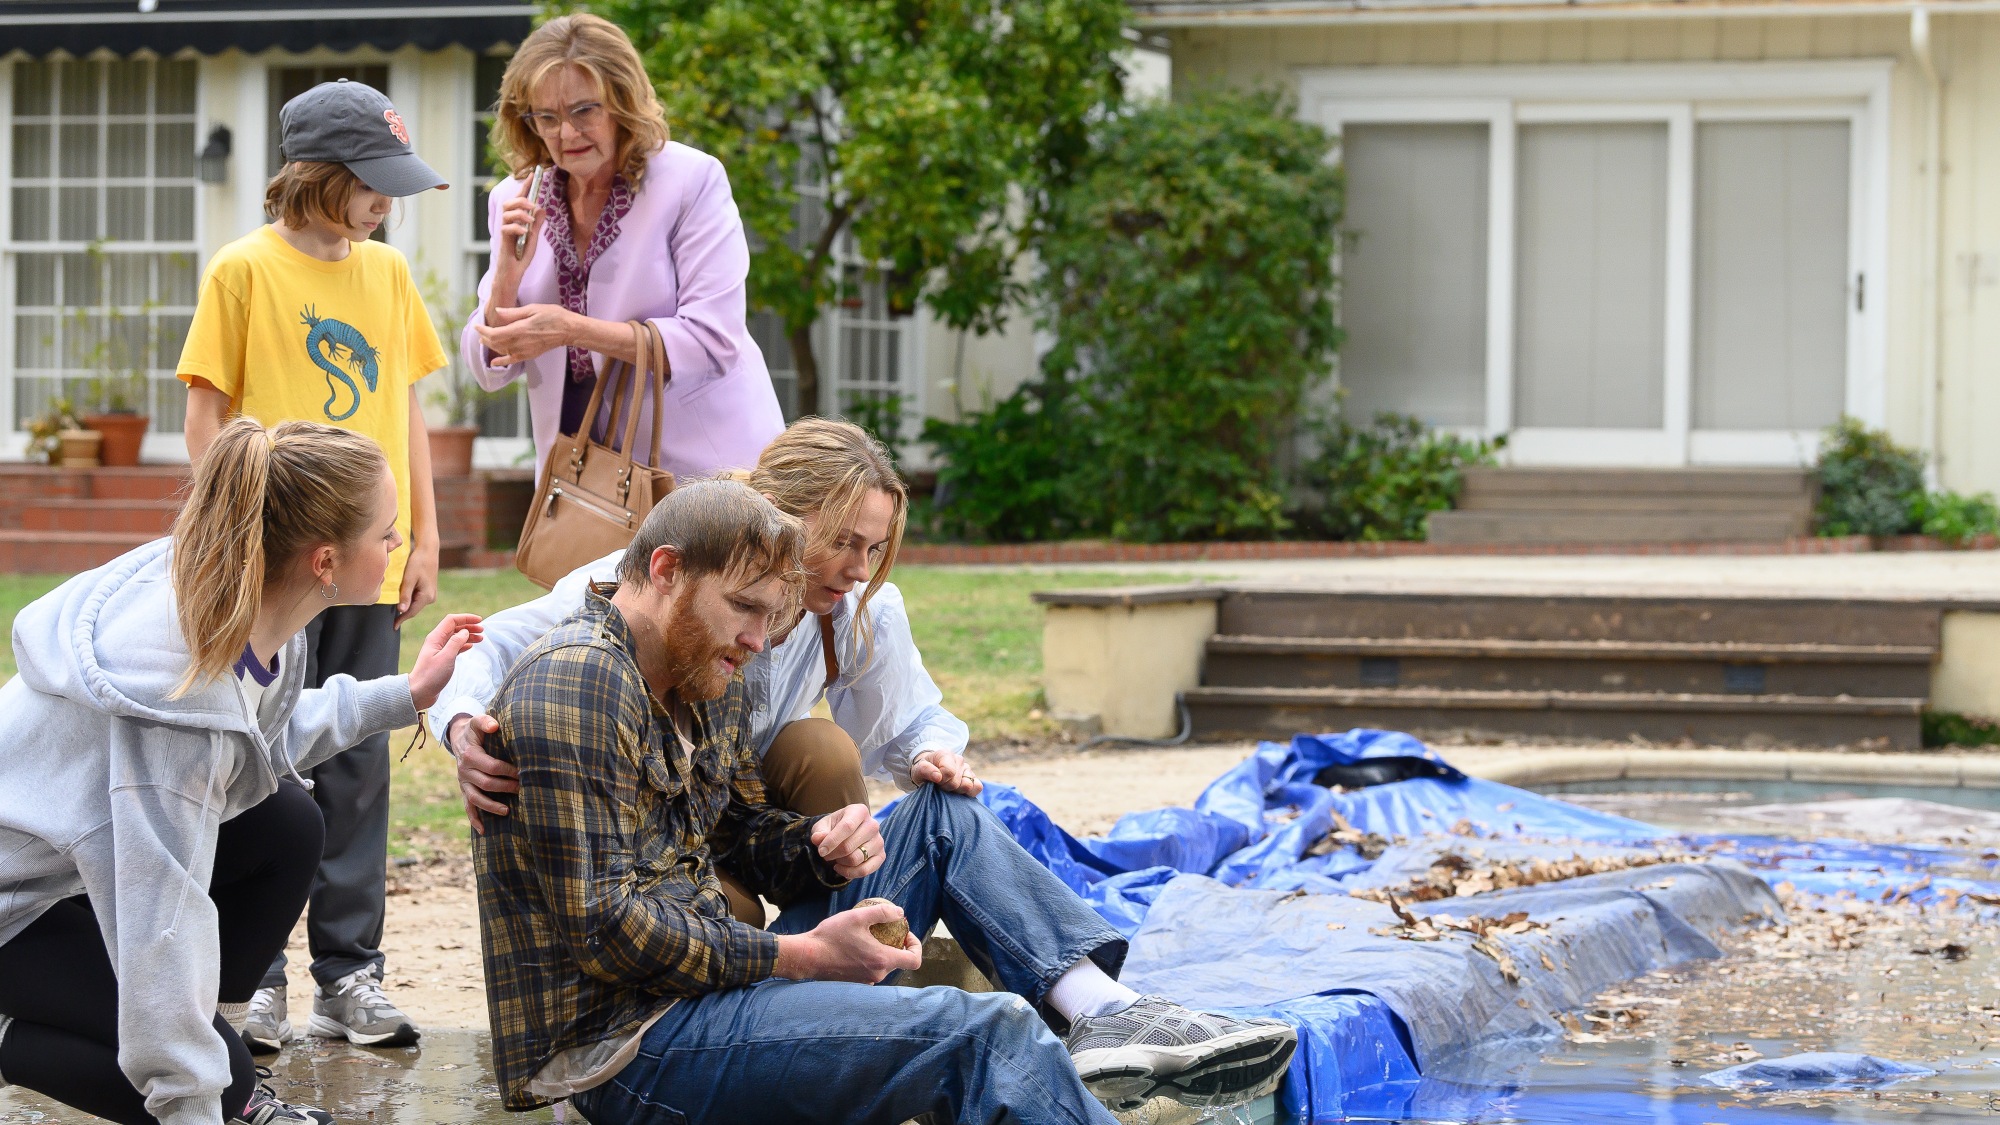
point(583, 117)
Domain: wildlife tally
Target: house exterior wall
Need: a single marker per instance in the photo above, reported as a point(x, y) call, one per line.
point(1935, 319)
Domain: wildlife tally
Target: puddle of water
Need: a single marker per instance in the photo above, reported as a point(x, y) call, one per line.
point(445, 1080)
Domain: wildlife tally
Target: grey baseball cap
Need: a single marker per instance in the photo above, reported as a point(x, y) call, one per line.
point(342, 122)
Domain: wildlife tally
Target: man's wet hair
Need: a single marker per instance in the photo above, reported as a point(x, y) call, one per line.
point(719, 527)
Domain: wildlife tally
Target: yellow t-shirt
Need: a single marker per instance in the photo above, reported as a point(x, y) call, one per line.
point(291, 338)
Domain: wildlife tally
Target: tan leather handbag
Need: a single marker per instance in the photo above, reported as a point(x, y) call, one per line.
point(592, 496)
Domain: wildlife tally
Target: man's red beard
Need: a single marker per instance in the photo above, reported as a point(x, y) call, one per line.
point(693, 654)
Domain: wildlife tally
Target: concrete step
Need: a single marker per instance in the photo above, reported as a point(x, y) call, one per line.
point(1706, 719)
point(1331, 614)
point(1463, 526)
point(1636, 504)
point(63, 552)
point(1703, 668)
point(146, 482)
point(1794, 484)
point(151, 517)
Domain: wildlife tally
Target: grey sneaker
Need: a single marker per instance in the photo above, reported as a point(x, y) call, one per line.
point(354, 1009)
point(268, 1027)
point(264, 1108)
point(1156, 1048)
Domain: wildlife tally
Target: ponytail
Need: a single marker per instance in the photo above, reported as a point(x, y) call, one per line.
point(260, 498)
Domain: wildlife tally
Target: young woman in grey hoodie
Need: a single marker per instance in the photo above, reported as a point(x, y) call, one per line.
point(153, 853)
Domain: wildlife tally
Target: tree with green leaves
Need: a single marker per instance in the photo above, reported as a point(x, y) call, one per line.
point(931, 132)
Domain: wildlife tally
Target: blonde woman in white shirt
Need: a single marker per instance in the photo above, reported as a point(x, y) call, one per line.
point(852, 647)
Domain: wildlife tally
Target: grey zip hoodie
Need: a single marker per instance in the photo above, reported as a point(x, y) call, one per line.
point(109, 787)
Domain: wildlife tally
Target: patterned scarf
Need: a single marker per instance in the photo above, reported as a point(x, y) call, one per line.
point(573, 275)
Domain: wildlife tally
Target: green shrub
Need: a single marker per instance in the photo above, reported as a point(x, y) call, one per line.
point(1868, 485)
point(1187, 284)
point(1949, 728)
point(1955, 518)
point(1382, 481)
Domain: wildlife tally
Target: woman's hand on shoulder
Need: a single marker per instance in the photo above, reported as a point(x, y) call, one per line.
point(453, 635)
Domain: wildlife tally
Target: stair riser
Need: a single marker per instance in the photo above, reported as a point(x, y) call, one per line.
point(1217, 720)
point(149, 486)
point(1779, 507)
point(147, 521)
point(1755, 621)
point(1612, 527)
point(1702, 677)
point(1643, 482)
point(22, 557)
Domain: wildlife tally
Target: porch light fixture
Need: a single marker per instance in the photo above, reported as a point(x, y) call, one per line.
point(215, 156)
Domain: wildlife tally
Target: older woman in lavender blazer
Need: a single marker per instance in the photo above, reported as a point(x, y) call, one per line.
point(625, 225)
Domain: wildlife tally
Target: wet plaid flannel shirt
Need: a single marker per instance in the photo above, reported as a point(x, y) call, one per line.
point(598, 898)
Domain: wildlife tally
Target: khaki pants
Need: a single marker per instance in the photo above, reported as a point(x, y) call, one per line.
point(812, 767)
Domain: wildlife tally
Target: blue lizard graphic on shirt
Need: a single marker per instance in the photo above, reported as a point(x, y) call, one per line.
point(325, 341)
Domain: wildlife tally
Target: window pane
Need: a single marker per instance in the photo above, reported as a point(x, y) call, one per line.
point(1413, 272)
point(130, 277)
point(129, 80)
point(35, 340)
point(169, 408)
point(1770, 275)
point(178, 279)
point(32, 87)
point(79, 150)
point(1591, 321)
point(79, 82)
point(31, 214)
point(125, 214)
point(82, 276)
point(174, 150)
point(32, 151)
point(168, 339)
point(173, 214)
point(125, 150)
point(35, 280)
point(76, 219)
point(174, 85)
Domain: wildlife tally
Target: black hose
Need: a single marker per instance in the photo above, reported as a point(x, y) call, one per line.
point(1187, 731)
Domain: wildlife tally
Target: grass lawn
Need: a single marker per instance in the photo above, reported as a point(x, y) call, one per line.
point(980, 635)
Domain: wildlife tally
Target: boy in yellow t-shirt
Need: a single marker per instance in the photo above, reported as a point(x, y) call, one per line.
point(305, 318)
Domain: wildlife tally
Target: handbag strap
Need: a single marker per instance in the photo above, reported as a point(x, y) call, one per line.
point(826, 646)
point(656, 388)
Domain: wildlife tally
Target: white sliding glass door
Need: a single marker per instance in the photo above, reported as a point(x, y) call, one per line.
point(1606, 274)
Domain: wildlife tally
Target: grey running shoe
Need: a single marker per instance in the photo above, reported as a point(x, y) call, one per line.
point(354, 1009)
point(268, 1027)
point(264, 1108)
point(1156, 1048)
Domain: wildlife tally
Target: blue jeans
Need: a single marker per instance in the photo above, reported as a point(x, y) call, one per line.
point(823, 1051)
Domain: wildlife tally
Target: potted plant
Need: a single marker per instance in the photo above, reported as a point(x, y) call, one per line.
point(118, 392)
point(57, 437)
point(459, 398)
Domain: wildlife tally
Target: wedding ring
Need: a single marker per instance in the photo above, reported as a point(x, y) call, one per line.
point(864, 853)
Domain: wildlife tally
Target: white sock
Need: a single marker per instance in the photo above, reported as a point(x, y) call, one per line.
point(1086, 991)
point(235, 1015)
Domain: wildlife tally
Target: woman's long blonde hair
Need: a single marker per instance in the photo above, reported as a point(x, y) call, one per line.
point(600, 49)
point(827, 467)
point(260, 498)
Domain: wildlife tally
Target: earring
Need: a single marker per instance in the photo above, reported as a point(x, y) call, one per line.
point(334, 587)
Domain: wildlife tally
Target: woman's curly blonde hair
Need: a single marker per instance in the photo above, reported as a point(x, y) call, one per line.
point(600, 49)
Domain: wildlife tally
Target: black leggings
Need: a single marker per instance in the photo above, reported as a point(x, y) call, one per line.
point(57, 982)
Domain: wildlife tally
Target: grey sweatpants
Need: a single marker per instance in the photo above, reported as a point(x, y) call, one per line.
point(344, 914)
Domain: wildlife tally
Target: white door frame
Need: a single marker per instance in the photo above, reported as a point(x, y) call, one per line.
point(1681, 95)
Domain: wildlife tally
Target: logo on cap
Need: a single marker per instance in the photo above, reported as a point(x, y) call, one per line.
point(395, 121)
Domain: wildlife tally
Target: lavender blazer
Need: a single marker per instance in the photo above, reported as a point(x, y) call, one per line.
point(679, 260)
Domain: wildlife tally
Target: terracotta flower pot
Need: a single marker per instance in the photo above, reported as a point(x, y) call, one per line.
point(78, 448)
point(451, 451)
point(124, 434)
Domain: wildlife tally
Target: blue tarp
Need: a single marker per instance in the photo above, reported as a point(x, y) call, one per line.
point(1816, 1070)
point(1226, 910)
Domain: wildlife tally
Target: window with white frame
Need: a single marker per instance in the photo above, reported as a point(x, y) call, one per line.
point(865, 348)
point(102, 248)
point(503, 415)
point(1614, 264)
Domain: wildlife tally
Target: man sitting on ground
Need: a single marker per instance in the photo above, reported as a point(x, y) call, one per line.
point(616, 976)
